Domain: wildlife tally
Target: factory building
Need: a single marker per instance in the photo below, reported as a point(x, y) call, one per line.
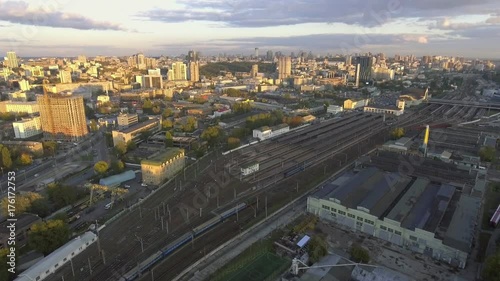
point(427, 217)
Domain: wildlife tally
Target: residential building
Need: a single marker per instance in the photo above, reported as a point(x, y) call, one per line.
point(27, 128)
point(421, 215)
point(133, 132)
point(364, 65)
point(194, 71)
point(30, 107)
point(24, 85)
point(162, 166)
point(102, 99)
point(152, 81)
point(11, 60)
point(63, 116)
point(65, 76)
point(255, 70)
point(177, 72)
point(127, 120)
point(284, 67)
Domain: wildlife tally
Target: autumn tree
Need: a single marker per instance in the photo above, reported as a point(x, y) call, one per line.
point(24, 159)
point(6, 158)
point(93, 125)
point(61, 195)
point(22, 203)
point(131, 145)
point(169, 139)
point(46, 237)
point(397, 133)
point(359, 254)
point(190, 124)
point(212, 134)
point(101, 167)
point(317, 248)
point(120, 148)
point(233, 143)
point(167, 124)
point(117, 166)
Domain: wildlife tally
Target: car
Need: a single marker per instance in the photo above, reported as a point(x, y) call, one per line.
point(36, 175)
point(143, 184)
point(126, 186)
point(108, 206)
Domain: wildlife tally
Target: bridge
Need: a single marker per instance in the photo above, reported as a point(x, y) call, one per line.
point(477, 104)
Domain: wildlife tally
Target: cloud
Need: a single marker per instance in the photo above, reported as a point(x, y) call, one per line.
point(21, 13)
point(493, 20)
point(264, 13)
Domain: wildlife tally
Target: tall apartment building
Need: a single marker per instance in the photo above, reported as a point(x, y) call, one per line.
point(62, 116)
point(255, 70)
point(65, 76)
point(177, 71)
point(82, 59)
point(194, 71)
point(12, 61)
point(163, 166)
point(151, 81)
point(365, 67)
point(127, 120)
point(270, 55)
point(284, 67)
point(27, 128)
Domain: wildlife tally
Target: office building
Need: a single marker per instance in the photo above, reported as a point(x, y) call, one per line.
point(364, 64)
point(270, 55)
point(127, 120)
point(65, 76)
point(62, 116)
point(30, 107)
point(163, 166)
point(133, 132)
point(423, 216)
point(256, 52)
point(11, 60)
point(284, 67)
point(177, 71)
point(255, 70)
point(27, 128)
point(192, 56)
point(194, 71)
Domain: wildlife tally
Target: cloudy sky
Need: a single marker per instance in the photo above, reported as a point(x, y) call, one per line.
point(468, 28)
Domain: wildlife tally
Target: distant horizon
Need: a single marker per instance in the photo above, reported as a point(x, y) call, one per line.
point(62, 28)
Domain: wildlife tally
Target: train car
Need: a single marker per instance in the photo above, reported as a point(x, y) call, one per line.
point(233, 211)
point(181, 241)
point(207, 225)
point(143, 266)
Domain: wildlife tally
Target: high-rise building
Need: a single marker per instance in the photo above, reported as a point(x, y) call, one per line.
point(65, 76)
point(177, 71)
point(365, 67)
point(256, 52)
point(358, 67)
point(82, 59)
point(12, 61)
point(348, 60)
point(62, 116)
point(194, 71)
point(284, 67)
point(255, 70)
point(270, 55)
point(141, 61)
point(151, 81)
point(192, 56)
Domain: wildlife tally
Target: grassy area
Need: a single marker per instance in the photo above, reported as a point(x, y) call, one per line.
point(265, 267)
point(492, 200)
point(484, 238)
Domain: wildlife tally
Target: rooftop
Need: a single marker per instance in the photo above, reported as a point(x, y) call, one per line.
point(138, 126)
point(163, 157)
point(460, 233)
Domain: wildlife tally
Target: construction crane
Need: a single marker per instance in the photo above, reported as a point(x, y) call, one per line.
point(296, 265)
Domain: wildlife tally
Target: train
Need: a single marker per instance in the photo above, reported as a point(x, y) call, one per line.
point(179, 242)
point(299, 168)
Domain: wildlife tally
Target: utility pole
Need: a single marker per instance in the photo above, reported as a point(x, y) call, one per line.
point(72, 268)
point(90, 266)
point(103, 257)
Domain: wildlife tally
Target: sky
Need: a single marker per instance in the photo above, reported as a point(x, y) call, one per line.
point(469, 28)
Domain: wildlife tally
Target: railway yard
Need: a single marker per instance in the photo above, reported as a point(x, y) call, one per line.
point(164, 230)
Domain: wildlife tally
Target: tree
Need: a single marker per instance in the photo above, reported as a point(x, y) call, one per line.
point(22, 203)
point(167, 113)
point(233, 143)
point(317, 248)
point(167, 124)
point(131, 145)
point(25, 159)
point(49, 148)
point(359, 254)
point(61, 195)
point(212, 134)
point(169, 139)
point(6, 158)
point(120, 148)
point(397, 133)
point(190, 124)
point(491, 266)
point(46, 237)
point(93, 125)
point(5, 274)
point(101, 167)
point(117, 166)
point(487, 153)
point(41, 207)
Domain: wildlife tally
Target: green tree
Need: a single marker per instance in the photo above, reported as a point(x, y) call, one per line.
point(397, 133)
point(131, 145)
point(167, 124)
point(120, 148)
point(491, 266)
point(49, 148)
point(359, 254)
point(487, 153)
point(22, 203)
point(101, 168)
point(41, 207)
point(6, 158)
point(233, 143)
point(167, 112)
point(24, 159)
point(190, 124)
point(169, 139)
point(61, 195)
point(93, 125)
point(317, 248)
point(117, 166)
point(46, 237)
point(212, 134)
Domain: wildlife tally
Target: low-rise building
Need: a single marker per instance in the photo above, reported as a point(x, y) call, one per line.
point(127, 120)
point(414, 96)
point(162, 166)
point(249, 168)
point(30, 107)
point(31, 146)
point(27, 128)
point(133, 132)
point(424, 216)
point(267, 132)
point(355, 103)
point(334, 109)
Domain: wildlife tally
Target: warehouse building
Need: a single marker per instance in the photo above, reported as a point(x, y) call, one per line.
point(267, 132)
point(430, 218)
point(162, 166)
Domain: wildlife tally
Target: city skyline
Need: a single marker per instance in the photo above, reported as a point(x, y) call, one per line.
point(64, 28)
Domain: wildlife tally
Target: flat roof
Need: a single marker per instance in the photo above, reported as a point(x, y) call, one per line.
point(138, 126)
point(406, 203)
point(162, 157)
point(460, 233)
point(303, 241)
